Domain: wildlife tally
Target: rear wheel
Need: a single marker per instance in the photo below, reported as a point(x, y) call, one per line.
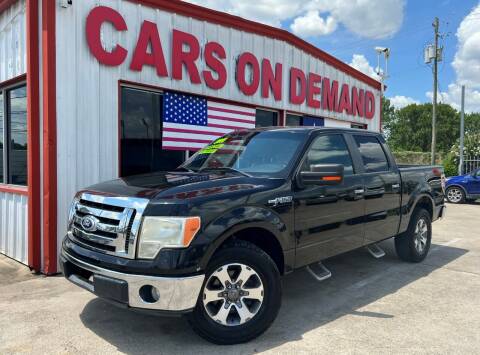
point(455, 195)
point(414, 244)
point(241, 295)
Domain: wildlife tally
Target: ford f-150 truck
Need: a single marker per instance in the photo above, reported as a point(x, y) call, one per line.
point(211, 239)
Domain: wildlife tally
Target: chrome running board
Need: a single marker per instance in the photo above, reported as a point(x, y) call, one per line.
point(319, 271)
point(375, 251)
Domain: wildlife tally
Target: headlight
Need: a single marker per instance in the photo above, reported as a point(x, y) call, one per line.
point(72, 210)
point(166, 232)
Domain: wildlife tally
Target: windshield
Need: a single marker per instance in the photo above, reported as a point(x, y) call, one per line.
point(264, 153)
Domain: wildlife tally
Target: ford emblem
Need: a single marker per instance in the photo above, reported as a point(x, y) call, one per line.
point(89, 223)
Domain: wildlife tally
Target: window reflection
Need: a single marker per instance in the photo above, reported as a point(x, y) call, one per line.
point(373, 156)
point(141, 134)
point(329, 149)
point(18, 135)
point(266, 118)
point(293, 120)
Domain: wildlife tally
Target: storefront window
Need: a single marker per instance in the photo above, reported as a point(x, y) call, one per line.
point(313, 121)
point(141, 134)
point(13, 135)
point(266, 118)
point(359, 126)
point(18, 135)
point(293, 120)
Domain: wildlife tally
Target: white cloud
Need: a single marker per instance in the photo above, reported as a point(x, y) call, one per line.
point(361, 63)
point(270, 12)
point(311, 25)
point(400, 101)
point(466, 64)
point(366, 18)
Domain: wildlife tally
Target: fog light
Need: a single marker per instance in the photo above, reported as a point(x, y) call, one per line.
point(149, 294)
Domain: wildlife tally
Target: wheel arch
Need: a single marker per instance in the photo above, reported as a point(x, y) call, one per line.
point(426, 202)
point(261, 234)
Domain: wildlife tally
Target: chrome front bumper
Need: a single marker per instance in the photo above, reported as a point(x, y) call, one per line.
point(176, 294)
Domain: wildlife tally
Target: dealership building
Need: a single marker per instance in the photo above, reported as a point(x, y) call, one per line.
point(84, 86)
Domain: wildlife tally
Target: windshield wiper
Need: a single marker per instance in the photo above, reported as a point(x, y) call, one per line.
point(225, 169)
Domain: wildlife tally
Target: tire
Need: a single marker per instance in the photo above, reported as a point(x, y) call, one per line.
point(263, 281)
point(414, 244)
point(455, 194)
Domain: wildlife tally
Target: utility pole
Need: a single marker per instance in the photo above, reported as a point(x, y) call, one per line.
point(462, 132)
point(436, 26)
point(382, 74)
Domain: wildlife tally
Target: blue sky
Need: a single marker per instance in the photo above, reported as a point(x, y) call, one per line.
point(409, 76)
point(350, 29)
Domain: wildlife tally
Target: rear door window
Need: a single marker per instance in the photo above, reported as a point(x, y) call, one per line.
point(373, 155)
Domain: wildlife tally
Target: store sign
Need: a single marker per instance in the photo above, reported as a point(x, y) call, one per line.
point(253, 75)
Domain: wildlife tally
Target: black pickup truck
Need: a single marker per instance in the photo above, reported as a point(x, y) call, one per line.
point(211, 239)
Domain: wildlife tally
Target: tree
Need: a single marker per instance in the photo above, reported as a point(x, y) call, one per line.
point(388, 116)
point(410, 128)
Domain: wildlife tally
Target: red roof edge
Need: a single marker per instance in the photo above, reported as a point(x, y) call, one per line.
point(224, 19)
point(5, 4)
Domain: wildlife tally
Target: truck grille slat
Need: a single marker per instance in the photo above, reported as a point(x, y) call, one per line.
point(107, 224)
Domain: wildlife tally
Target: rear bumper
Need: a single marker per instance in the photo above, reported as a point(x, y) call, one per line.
point(166, 294)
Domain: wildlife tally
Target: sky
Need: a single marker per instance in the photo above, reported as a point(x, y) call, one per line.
point(350, 29)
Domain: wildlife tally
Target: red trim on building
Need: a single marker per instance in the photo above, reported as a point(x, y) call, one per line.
point(5, 4)
point(33, 123)
point(224, 19)
point(49, 138)
point(14, 189)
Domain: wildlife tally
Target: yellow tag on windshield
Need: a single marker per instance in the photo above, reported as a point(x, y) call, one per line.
point(213, 147)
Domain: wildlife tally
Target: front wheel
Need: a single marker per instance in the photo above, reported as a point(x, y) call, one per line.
point(240, 297)
point(455, 195)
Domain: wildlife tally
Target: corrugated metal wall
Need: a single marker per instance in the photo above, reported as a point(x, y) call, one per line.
point(87, 93)
point(13, 226)
point(13, 208)
point(13, 55)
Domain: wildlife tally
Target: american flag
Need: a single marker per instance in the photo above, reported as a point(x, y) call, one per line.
point(191, 122)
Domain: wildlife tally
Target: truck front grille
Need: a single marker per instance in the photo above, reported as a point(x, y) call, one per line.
point(106, 224)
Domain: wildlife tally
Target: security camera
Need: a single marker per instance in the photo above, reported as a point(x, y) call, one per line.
point(382, 49)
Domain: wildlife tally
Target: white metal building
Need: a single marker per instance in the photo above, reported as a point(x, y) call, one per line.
point(81, 97)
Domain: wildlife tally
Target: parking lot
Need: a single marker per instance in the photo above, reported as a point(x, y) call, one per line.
point(368, 306)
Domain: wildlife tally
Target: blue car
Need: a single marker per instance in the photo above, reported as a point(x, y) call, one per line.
point(463, 188)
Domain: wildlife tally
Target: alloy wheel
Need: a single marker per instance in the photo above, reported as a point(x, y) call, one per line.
point(421, 236)
point(233, 294)
point(454, 195)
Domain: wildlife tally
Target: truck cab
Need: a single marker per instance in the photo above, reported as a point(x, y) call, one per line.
point(211, 239)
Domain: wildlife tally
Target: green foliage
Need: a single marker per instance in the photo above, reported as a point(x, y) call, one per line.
point(450, 165)
point(410, 128)
point(414, 158)
point(471, 146)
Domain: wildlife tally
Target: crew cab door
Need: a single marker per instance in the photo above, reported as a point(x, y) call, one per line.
point(328, 219)
point(382, 187)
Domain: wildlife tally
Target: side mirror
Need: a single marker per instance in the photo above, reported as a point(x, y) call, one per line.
point(322, 174)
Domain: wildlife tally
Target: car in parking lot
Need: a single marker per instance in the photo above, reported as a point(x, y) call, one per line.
point(211, 239)
point(463, 188)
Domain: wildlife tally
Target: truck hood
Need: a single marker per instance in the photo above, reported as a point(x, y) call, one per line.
point(181, 186)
